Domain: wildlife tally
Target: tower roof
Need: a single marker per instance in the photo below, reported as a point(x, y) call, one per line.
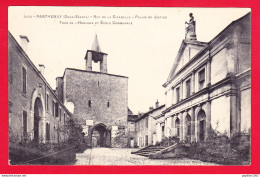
point(95, 45)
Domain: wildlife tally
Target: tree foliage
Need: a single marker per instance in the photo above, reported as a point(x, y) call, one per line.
point(75, 133)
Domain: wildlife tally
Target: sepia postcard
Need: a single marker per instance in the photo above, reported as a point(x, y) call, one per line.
point(129, 86)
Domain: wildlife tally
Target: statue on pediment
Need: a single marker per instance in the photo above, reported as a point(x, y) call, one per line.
point(190, 32)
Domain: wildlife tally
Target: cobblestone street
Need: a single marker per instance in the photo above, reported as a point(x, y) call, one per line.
point(123, 156)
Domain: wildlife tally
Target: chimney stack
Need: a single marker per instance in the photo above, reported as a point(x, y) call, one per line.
point(24, 43)
point(157, 104)
point(42, 67)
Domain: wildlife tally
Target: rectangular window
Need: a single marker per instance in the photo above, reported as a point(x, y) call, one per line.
point(56, 110)
point(60, 114)
point(187, 88)
point(64, 118)
point(47, 102)
point(201, 78)
point(24, 124)
point(53, 108)
point(146, 122)
point(177, 95)
point(24, 80)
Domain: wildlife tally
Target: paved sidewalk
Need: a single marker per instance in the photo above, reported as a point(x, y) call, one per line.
point(123, 156)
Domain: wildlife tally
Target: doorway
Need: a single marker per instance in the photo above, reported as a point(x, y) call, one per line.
point(38, 108)
point(100, 136)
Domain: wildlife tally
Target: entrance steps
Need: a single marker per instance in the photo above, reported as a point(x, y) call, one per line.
point(161, 152)
point(149, 150)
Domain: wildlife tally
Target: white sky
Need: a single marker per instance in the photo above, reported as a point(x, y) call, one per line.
point(143, 51)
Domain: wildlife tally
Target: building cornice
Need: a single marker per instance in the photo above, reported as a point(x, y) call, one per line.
point(93, 72)
point(208, 89)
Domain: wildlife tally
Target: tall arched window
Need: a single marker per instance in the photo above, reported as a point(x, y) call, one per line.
point(202, 125)
point(188, 127)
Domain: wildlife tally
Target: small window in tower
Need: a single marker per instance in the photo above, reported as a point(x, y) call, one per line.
point(108, 104)
point(98, 83)
point(89, 103)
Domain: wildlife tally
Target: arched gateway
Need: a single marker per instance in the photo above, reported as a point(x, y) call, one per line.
point(100, 136)
point(38, 108)
point(38, 116)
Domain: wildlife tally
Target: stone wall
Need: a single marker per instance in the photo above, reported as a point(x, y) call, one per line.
point(97, 96)
point(19, 102)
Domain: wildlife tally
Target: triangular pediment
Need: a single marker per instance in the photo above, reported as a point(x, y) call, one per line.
point(187, 51)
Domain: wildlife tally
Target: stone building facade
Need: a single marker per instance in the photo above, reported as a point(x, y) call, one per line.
point(35, 111)
point(98, 100)
point(146, 127)
point(142, 127)
point(208, 89)
point(131, 126)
